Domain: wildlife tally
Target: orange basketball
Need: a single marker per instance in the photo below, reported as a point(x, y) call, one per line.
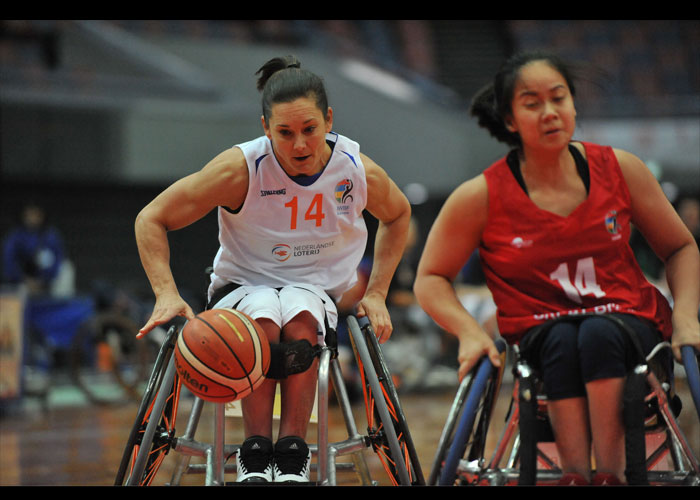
point(222, 355)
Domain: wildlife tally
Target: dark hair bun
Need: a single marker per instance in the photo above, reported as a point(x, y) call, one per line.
point(273, 66)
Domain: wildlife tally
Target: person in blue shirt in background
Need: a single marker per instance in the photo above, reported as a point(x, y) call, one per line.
point(33, 252)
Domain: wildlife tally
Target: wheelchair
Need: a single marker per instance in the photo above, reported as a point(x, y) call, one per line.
point(154, 435)
point(657, 452)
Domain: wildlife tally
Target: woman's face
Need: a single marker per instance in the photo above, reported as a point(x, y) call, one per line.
point(543, 112)
point(298, 131)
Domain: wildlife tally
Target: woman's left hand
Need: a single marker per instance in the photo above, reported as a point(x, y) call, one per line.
point(686, 331)
point(373, 306)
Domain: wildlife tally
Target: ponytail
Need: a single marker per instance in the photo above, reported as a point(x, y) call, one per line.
point(486, 108)
point(274, 65)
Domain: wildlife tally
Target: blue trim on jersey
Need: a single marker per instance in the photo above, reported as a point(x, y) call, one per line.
point(352, 158)
point(306, 180)
point(257, 162)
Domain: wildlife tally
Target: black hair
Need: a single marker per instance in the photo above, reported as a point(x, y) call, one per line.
point(283, 80)
point(492, 104)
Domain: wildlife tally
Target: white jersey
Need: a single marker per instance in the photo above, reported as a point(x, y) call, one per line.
point(286, 233)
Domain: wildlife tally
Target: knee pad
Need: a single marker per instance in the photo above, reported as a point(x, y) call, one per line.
point(290, 358)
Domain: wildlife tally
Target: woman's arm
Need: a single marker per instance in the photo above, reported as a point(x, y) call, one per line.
point(222, 182)
point(389, 205)
point(455, 234)
point(672, 242)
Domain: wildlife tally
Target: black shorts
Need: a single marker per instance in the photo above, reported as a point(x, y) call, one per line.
point(572, 352)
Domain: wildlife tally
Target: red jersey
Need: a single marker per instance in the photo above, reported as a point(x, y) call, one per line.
point(540, 266)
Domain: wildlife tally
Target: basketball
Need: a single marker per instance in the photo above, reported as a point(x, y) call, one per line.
point(222, 355)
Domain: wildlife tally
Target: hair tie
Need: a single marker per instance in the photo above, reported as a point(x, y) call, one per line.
point(294, 65)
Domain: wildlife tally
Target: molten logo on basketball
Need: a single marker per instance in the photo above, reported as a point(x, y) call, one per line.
point(189, 379)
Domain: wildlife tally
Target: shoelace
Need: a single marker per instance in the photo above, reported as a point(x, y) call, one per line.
point(255, 462)
point(290, 462)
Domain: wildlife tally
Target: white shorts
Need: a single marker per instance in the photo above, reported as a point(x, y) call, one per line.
point(283, 305)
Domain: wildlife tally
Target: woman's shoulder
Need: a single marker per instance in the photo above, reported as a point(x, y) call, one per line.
point(471, 196)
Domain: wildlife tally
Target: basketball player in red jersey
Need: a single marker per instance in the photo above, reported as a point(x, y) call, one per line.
point(551, 222)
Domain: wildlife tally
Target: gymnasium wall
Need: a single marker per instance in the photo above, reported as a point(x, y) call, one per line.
point(97, 143)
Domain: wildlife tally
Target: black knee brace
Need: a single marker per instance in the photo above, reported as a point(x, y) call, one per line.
point(289, 358)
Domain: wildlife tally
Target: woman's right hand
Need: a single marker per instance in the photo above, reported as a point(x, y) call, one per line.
point(472, 347)
point(166, 308)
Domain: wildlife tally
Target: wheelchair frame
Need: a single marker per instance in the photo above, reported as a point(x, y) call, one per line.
point(460, 457)
point(387, 432)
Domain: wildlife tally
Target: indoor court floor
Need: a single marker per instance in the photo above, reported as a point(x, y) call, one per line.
point(66, 441)
point(70, 442)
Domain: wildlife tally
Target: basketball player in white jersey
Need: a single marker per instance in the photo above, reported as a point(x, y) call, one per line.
point(291, 238)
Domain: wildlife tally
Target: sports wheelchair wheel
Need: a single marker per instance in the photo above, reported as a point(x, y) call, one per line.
point(461, 438)
point(153, 432)
point(386, 423)
point(690, 363)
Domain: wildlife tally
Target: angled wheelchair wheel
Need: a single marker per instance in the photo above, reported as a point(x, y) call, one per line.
point(153, 432)
point(448, 430)
point(690, 363)
point(466, 428)
point(386, 422)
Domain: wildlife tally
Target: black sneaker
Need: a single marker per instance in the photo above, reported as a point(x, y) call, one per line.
point(254, 461)
point(292, 460)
